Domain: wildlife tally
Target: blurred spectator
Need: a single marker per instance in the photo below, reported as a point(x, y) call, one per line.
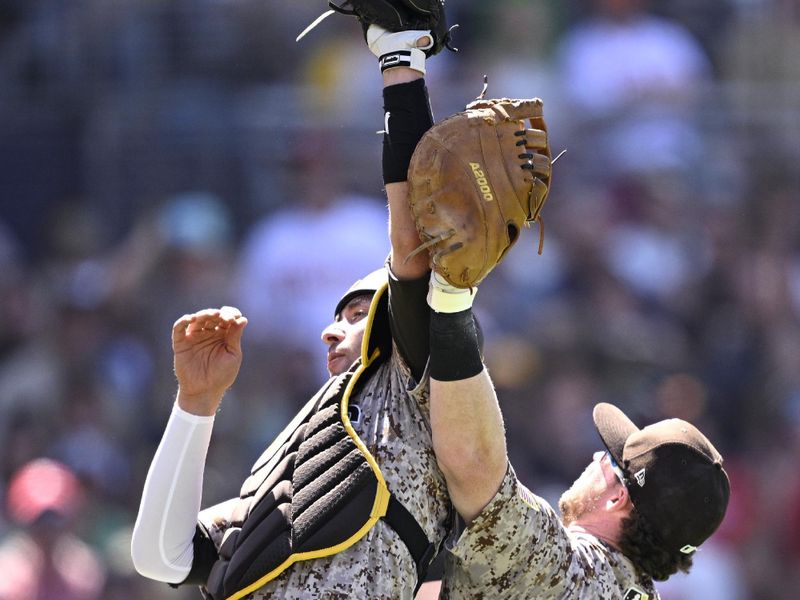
point(762, 43)
point(87, 445)
point(28, 380)
point(44, 559)
point(634, 77)
point(654, 246)
point(296, 259)
point(196, 231)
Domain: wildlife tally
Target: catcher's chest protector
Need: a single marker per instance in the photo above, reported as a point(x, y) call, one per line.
point(315, 495)
point(314, 492)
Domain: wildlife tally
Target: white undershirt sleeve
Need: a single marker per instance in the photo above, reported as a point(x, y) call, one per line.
point(161, 546)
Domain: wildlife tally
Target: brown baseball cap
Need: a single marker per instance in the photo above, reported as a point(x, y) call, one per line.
point(673, 473)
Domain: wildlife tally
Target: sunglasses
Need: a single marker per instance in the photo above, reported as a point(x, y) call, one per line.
point(617, 469)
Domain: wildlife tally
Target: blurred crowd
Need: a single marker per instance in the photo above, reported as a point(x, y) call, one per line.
point(157, 158)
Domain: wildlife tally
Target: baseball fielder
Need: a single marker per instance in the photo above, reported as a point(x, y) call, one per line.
point(637, 513)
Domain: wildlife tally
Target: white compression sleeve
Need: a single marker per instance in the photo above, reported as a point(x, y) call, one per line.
point(161, 547)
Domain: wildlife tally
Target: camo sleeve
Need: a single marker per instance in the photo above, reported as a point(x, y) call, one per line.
point(517, 549)
point(516, 542)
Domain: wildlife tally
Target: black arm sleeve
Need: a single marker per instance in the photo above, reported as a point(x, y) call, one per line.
point(205, 555)
point(409, 320)
point(409, 116)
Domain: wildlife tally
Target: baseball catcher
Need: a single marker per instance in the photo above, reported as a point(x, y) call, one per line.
point(338, 505)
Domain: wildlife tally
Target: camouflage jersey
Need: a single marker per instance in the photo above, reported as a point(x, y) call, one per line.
point(518, 549)
point(394, 424)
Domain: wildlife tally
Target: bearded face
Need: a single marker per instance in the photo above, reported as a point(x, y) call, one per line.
point(588, 492)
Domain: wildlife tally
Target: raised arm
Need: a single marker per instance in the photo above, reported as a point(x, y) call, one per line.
point(477, 179)
point(408, 119)
point(468, 432)
point(407, 116)
point(166, 538)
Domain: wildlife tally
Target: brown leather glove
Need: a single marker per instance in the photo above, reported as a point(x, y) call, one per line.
point(475, 180)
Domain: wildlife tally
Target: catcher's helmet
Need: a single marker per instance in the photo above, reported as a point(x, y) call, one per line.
point(369, 284)
point(378, 332)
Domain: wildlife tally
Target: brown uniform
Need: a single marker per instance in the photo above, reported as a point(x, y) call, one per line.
point(395, 426)
point(518, 549)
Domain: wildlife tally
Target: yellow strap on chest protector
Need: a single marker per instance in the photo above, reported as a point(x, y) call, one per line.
point(382, 494)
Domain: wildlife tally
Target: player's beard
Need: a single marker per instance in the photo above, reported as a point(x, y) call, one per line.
point(578, 501)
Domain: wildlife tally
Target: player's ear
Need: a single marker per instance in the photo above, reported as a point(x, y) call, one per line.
point(619, 500)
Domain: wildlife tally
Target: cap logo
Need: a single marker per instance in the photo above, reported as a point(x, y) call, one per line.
point(633, 593)
point(688, 549)
point(639, 477)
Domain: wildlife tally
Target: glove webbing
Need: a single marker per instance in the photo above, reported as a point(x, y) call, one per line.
point(537, 217)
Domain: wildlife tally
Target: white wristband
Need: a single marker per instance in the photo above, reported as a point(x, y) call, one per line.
point(445, 298)
point(399, 48)
point(412, 58)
